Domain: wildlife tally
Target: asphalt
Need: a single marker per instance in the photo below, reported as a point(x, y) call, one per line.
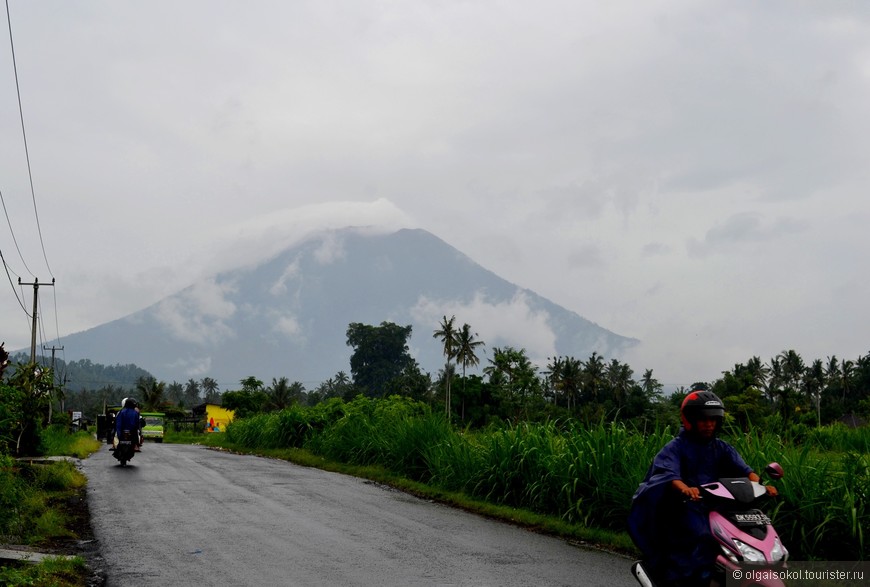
point(185, 515)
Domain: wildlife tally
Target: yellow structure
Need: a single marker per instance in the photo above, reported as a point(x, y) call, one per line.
point(217, 418)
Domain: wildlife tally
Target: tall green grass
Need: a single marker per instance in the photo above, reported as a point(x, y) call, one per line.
point(27, 493)
point(55, 440)
point(822, 512)
point(581, 474)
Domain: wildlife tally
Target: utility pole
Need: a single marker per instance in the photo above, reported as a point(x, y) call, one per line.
point(53, 375)
point(35, 285)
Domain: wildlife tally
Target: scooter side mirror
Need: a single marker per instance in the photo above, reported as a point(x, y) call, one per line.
point(774, 471)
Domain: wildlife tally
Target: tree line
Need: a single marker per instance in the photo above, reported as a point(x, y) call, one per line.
point(784, 391)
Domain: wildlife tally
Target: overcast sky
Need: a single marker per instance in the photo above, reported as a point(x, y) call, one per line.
point(692, 174)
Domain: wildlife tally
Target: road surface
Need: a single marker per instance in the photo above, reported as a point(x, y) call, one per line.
point(188, 515)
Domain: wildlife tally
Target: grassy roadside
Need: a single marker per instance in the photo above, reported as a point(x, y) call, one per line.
point(616, 542)
point(43, 506)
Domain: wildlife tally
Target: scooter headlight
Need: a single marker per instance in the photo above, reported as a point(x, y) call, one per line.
point(778, 552)
point(750, 554)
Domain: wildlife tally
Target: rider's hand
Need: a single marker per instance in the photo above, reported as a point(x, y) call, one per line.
point(771, 490)
point(692, 493)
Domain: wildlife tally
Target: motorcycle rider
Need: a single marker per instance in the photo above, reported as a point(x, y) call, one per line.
point(128, 419)
point(668, 522)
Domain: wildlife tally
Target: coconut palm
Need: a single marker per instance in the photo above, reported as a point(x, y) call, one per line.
point(447, 335)
point(151, 391)
point(847, 371)
point(282, 394)
point(210, 389)
point(650, 386)
point(773, 384)
point(814, 382)
point(465, 354)
point(593, 375)
point(758, 372)
point(620, 379)
point(191, 393)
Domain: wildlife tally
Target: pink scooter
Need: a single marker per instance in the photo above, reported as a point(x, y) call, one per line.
point(750, 548)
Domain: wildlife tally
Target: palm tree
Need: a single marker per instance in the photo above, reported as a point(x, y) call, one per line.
point(191, 393)
point(620, 378)
point(553, 377)
point(814, 382)
point(593, 374)
point(151, 392)
point(210, 388)
point(282, 394)
point(175, 393)
point(774, 381)
point(465, 355)
point(650, 386)
point(847, 371)
point(447, 335)
point(792, 373)
point(758, 372)
point(792, 368)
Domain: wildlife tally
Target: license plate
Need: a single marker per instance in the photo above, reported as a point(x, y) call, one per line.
point(753, 519)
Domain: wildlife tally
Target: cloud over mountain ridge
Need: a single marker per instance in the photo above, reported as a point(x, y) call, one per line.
point(288, 315)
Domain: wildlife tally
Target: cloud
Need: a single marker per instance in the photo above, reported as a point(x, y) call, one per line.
point(194, 367)
point(331, 249)
point(196, 314)
point(510, 323)
point(288, 325)
point(261, 237)
point(591, 152)
point(741, 229)
point(279, 288)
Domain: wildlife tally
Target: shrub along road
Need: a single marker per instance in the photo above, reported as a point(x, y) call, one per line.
point(185, 515)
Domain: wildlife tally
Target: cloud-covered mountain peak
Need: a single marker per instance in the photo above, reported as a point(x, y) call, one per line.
point(288, 316)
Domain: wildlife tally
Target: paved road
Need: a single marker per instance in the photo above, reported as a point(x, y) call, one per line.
point(187, 515)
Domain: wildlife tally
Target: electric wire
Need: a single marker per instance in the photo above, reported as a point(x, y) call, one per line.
point(12, 232)
point(6, 267)
point(33, 199)
point(24, 136)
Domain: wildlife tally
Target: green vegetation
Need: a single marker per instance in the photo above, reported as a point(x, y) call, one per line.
point(36, 498)
point(578, 478)
point(52, 572)
point(34, 501)
point(566, 444)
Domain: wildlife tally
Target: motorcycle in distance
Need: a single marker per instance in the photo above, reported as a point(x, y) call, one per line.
point(745, 535)
point(125, 450)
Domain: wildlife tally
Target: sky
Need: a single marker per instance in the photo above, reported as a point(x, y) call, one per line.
point(691, 174)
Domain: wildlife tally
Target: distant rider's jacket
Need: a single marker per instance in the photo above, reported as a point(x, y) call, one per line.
point(127, 419)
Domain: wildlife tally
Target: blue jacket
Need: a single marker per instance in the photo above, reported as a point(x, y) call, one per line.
point(127, 419)
point(651, 522)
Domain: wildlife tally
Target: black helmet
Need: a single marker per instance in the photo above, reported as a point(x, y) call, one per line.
point(130, 403)
point(700, 404)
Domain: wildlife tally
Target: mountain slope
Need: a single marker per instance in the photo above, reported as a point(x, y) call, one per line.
point(288, 316)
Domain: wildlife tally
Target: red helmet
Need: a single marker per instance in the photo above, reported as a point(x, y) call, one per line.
point(700, 404)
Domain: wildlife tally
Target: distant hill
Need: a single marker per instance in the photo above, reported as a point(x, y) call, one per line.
point(85, 374)
point(288, 316)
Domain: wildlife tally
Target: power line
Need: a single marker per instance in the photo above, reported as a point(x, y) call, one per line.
point(9, 277)
point(26, 150)
point(32, 196)
point(12, 232)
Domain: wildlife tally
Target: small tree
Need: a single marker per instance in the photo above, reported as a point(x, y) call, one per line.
point(24, 401)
